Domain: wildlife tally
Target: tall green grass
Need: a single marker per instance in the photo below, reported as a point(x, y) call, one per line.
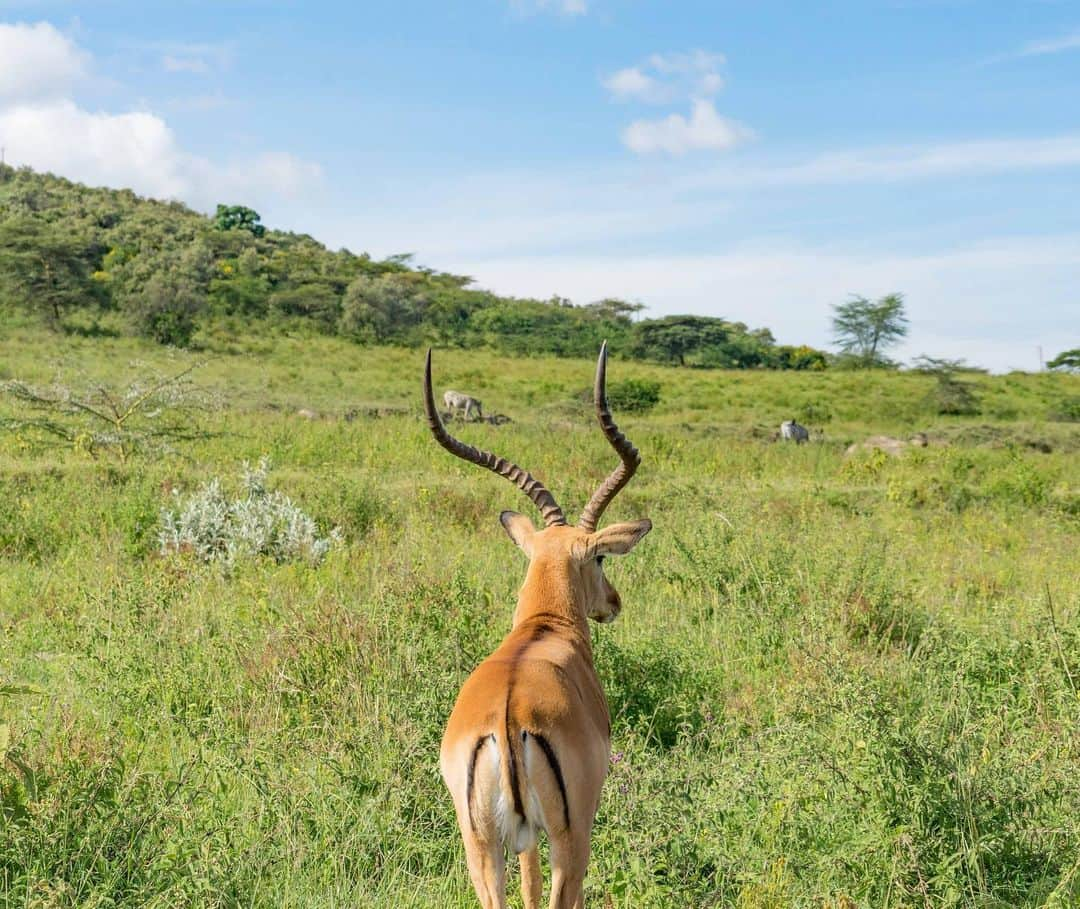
point(835, 682)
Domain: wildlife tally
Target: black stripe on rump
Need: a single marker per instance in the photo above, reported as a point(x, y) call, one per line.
point(472, 779)
point(549, 753)
point(515, 789)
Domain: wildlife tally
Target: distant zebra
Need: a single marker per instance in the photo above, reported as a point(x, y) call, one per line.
point(792, 431)
point(455, 400)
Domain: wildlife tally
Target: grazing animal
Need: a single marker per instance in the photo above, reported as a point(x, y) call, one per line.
point(455, 401)
point(792, 431)
point(527, 745)
point(889, 445)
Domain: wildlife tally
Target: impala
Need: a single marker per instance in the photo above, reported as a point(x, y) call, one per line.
point(528, 742)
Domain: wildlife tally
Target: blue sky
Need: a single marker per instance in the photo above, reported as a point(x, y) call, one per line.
point(757, 161)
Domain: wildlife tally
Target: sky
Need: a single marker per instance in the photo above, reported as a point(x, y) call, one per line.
point(755, 161)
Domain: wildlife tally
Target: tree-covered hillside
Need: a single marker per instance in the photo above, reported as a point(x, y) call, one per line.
point(163, 271)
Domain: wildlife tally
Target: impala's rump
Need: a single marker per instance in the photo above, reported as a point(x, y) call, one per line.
point(513, 818)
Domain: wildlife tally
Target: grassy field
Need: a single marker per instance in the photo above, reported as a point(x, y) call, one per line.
point(834, 683)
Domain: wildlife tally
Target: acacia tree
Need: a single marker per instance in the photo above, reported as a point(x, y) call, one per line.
point(864, 328)
point(951, 395)
point(45, 269)
point(673, 338)
point(1066, 361)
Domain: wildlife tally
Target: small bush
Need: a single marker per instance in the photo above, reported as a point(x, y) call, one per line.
point(1067, 410)
point(951, 397)
point(633, 395)
point(257, 523)
point(166, 310)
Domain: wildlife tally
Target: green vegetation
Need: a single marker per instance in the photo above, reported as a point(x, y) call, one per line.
point(1067, 361)
point(864, 329)
point(122, 264)
point(834, 683)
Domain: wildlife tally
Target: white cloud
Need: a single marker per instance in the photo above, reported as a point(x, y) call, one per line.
point(37, 61)
point(140, 151)
point(289, 175)
point(895, 164)
point(133, 149)
point(665, 78)
point(46, 130)
point(1050, 46)
point(676, 135)
point(633, 83)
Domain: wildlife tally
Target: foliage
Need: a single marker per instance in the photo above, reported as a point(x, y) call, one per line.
point(166, 308)
point(851, 687)
point(950, 394)
point(44, 269)
point(257, 523)
point(238, 217)
point(633, 395)
point(863, 329)
point(1067, 410)
point(1067, 360)
point(147, 415)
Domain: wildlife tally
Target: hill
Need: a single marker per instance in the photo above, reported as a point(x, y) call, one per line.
point(111, 260)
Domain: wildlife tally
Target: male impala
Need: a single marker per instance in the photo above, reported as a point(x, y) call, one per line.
point(528, 742)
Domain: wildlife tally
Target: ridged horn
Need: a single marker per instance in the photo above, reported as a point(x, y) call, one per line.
point(533, 488)
point(628, 454)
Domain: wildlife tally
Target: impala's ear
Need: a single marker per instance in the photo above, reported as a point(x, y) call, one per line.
point(619, 539)
point(520, 529)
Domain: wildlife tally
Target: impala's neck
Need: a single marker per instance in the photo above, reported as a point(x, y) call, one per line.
point(548, 591)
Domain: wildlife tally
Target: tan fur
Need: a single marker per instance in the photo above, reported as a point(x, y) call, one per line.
point(540, 681)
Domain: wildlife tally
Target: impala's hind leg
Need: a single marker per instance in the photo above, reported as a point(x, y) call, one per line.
point(472, 792)
point(569, 861)
point(487, 868)
point(532, 884)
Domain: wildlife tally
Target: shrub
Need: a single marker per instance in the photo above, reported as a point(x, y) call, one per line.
point(257, 523)
point(145, 415)
point(633, 395)
point(951, 397)
point(166, 309)
point(1067, 410)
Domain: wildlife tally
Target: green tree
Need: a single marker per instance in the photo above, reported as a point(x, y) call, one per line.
point(674, 338)
point(383, 308)
point(950, 395)
point(863, 328)
point(166, 309)
point(46, 269)
point(238, 217)
point(1066, 361)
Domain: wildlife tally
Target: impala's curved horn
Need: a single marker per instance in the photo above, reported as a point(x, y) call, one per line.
point(524, 481)
point(628, 454)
